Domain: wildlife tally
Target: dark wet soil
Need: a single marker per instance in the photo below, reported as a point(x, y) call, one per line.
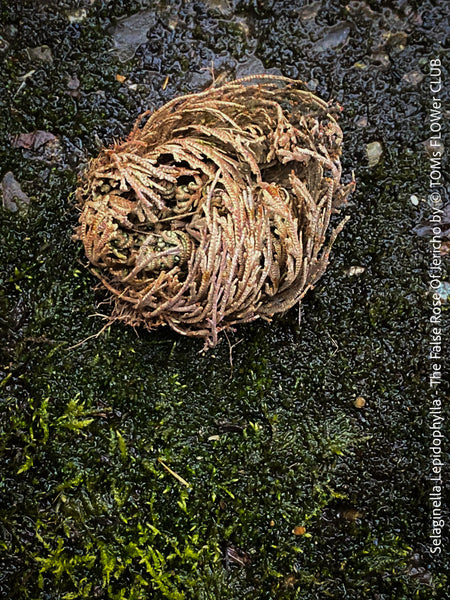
point(306, 462)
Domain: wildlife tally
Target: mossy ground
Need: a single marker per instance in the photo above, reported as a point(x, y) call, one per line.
point(271, 443)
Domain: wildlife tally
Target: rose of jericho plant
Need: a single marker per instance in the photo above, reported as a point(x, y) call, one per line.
point(215, 210)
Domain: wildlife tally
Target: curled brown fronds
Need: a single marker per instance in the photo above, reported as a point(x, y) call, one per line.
point(215, 210)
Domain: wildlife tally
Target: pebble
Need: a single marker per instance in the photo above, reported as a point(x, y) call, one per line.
point(443, 291)
point(413, 77)
point(354, 270)
point(310, 11)
point(130, 33)
point(299, 530)
point(335, 38)
point(77, 16)
point(374, 153)
point(362, 121)
point(313, 84)
point(14, 199)
point(73, 83)
point(360, 402)
point(40, 54)
point(445, 248)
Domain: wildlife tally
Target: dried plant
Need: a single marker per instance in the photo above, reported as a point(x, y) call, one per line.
point(215, 209)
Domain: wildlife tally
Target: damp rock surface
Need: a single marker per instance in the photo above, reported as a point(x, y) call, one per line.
point(133, 465)
point(131, 32)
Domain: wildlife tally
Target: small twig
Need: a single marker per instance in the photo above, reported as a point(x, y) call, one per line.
point(180, 479)
point(335, 344)
point(24, 79)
